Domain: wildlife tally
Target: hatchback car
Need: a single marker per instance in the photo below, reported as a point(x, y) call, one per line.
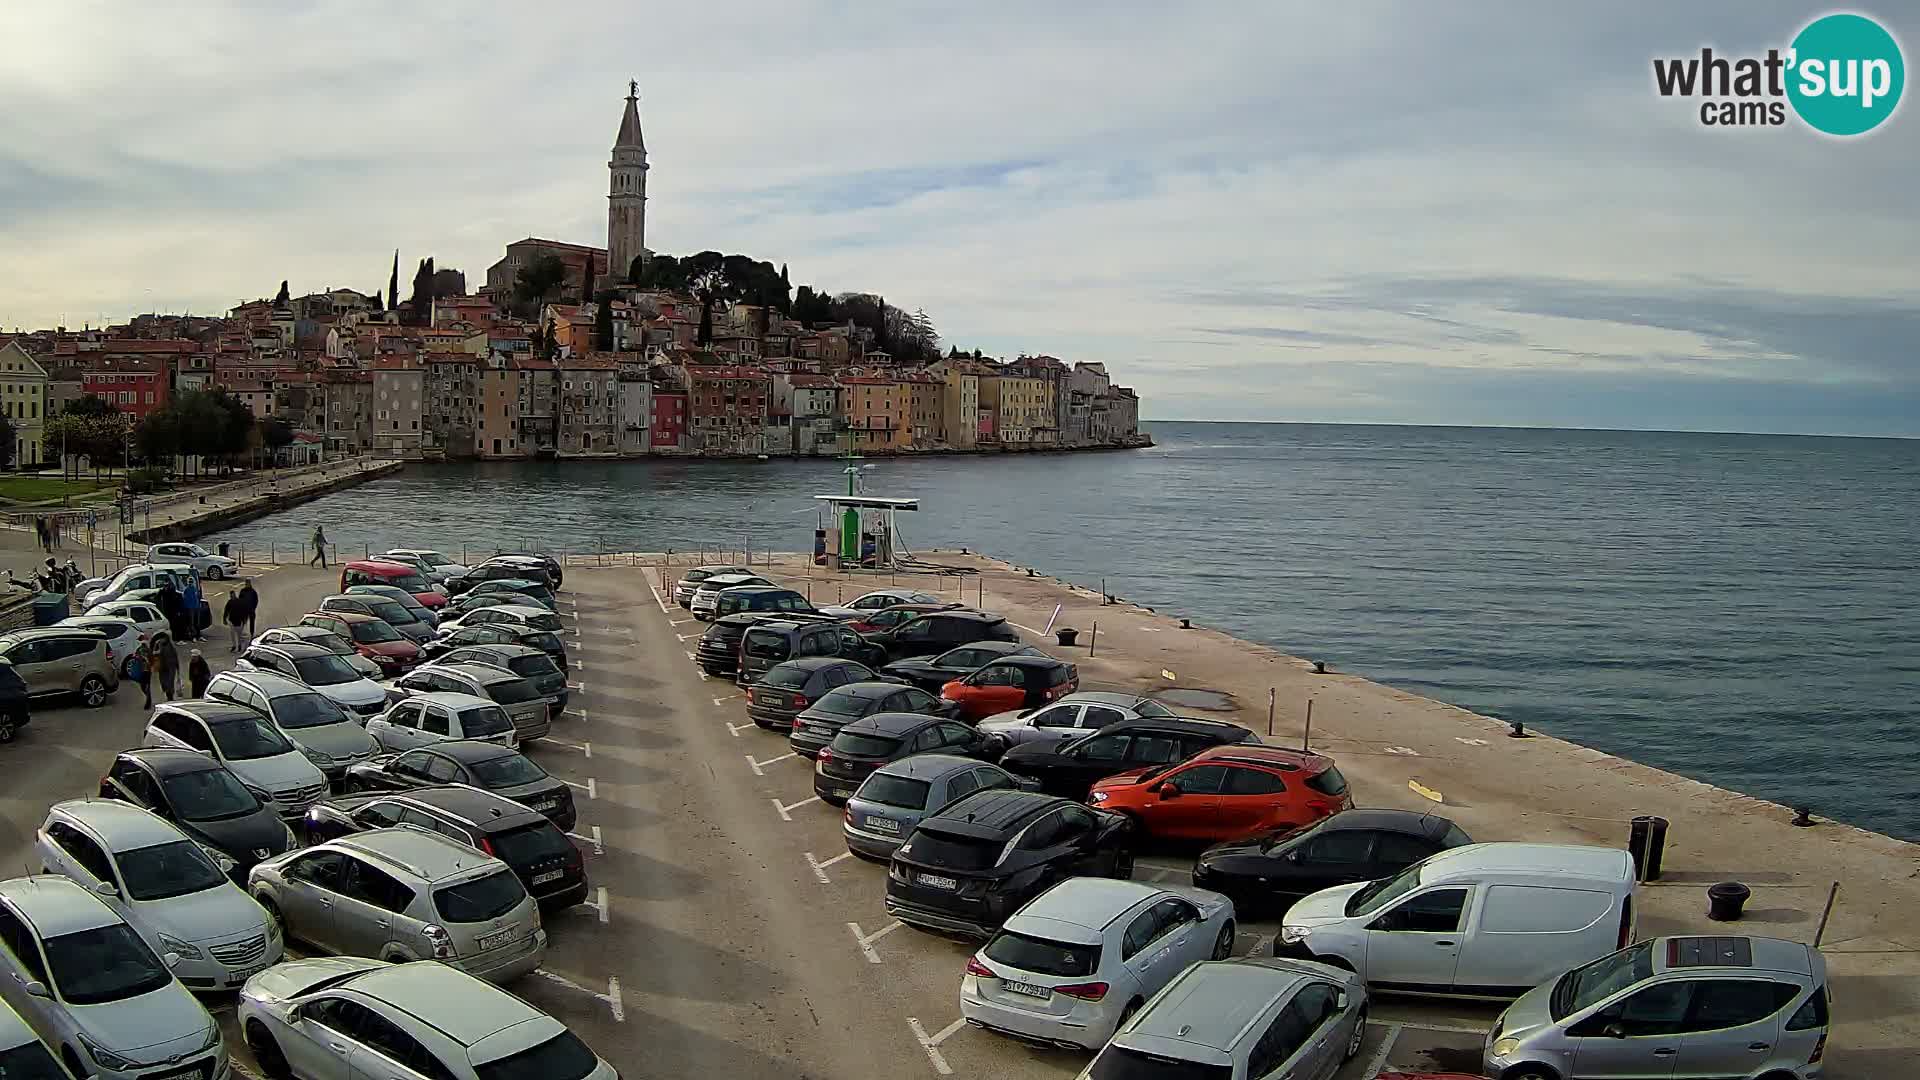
point(205, 799)
point(404, 894)
point(324, 732)
point(1073, 716)
point(788, 689)
point(1227, 793)
point(495, 634)
point(246, 742)
point(209, 565)
point(691, 578)
point(144, 614)
point(92, 986)
point(525, 661)
point(548, 864)
point(122, 633)
point(320, 638)
point(1012, 682)
point(768, 598)
point(402, 597)
point(530, 711)
point(932, 673)
point(522, 590)
point(869, 602)
point(417, 585)
point(872, 741)
point(816, 726)
point(969, 865)
point(513, 614)
point(321, 671)
point(1685, 1007)
point(56, 661)
point(1072, 768)
point(165, 885)
point(718, 651)
point(776, 640)
point(1267, 874)
point(314, 1018)
point(495, 571)
point(1246, 1019)
point(393, 651)
point(395, 614)
point(433, 565)
point(706, 595)
point(893, 798)
point(22, 1055)
point(440, 716)
point(1068, 967)
point(937, 631)
point(487, 766)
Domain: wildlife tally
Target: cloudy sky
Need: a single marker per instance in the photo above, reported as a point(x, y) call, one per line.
point(1418, 213)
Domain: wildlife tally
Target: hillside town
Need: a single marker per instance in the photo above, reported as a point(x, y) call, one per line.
point(570, 351)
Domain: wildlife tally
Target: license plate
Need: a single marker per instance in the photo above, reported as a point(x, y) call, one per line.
point(1028, 989)
point(885, 825)
point(494, 941)
point(842, 793)
point(935, 881)
point(551, 875)
point(192, 1072)
point(546, 804)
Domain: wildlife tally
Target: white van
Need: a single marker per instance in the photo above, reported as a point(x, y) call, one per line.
point(1485, 920)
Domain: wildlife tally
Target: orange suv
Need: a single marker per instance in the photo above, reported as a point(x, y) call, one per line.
point(1227, 793)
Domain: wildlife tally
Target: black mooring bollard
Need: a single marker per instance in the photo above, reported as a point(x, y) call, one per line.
point(1725, 901)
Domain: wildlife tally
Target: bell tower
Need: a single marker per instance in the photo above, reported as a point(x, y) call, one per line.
point(626, 193)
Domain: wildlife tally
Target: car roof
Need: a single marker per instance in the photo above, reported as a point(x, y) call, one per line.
point(891, 723)
point(1003, 648)
point(211, 711)
point(811, 663)
point(1089, 904)
point(523, 609)
point(927, 766)
point(967, 614)
point(1410, 822)
point(431, 855)
point(1572, 859)
point(347, 616)
point(458, 702)
point(1734, 951)
point(167, 761)
point(1186, 725)
point(458, 1005)
point(379, 566)
point(754, 589)
point(1213, 1003)
point(35, 632)
point(866, 689)
point(122, 825)
point(475, 670)
point(467, 751)
point(1105, 697)
point(994, 812)
point(1273, 757)
point(272, 683)
point(511, 649)
point(57, 905)
point(477, 805)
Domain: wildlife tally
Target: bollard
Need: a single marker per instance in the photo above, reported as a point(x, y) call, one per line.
point(1066, 636)
point(1647, 841)
point(1725, 901)
point(1092, 638)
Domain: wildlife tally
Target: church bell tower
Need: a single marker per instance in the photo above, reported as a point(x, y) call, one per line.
point(626, 193)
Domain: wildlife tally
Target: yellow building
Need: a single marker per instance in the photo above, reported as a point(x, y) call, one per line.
point(1022, 408)
point(23, 396)
point(877, 413)
point(959, 408)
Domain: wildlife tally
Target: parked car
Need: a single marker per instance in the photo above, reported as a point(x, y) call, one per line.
point(1245, 1019)
point(691, 578)
point(323, 731)
point(391, 612)
point(523, 660)
point(513, 614)
point(432, 565)
point(455, 1026)
point(1071, 717)
point(546, 861)
point(790, 688)
point(1012, 682)
point(133, 581)
point(1071, 768)
point(894, 797)
point(55, 661)
point(15, 698)
point(468, 601)
point(529, 592)
point(371, 637)
point(887, 618)
point(869, 602)
point(321, 671)
point(1078, 959)
point(777, 640)
point(1268, 873)
point(144, 614)
point(718, 651)
point(706, 595)
point(406, 578)
point(405, 894)
point(89, 984)
point(1487, 920)
point(969, 865)
point(207, 564)
point(1693, 1008)
point(872, 741)
point(246, 742)
point(320, 638)
point(1226, 793)
point(816, 726)
point(493, 571)
point(434, 716)
point(538, 565)
point(488, 766)
point(937, 631)
point(402, 597)
point(123, 636)
point(492, 634)
point(22, 1054)
point(933, 673)
point(530, 711)
point(165, 885)
point(770, 598)
point(204, 798)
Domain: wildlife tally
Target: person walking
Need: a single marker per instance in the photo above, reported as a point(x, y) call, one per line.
point(249, 605)
point(190, 602)
point(45, 534)
point(235, 616)
point(166, 667)
point(169, 600)
point(140, 670)
point(198, 674)
point(319, 547)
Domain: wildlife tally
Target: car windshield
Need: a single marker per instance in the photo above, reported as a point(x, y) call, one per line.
point(563, 1057)
point(245, 738)
point(932, 847)
point(481, 722)
point(835, 703)
point(413, 583)
point(901, 791)
point(30, 1061)
point(393, 611)
point(857, 745)
point(546, 641)
point(1153, 709)
point(1328, 782)
point(1121, 1063)
point(480, 899)
point(1287, 837)
point(512, 692)
point(1589, 985)
point(333, 643)
point(328, 670)
point(1375, 895)
point(531, 667)
point(296, 711)
point(107, 963)
point(786, 677)
point(1065, 959)
point(765, 645)
point(373, 632)
point(529, 843)
point(208, 795)
point(508, 770)
point(167, 870)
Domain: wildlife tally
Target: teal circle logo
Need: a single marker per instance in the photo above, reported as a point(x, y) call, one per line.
point(1847, 74)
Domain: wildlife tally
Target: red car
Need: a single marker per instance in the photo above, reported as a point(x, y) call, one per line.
point(375, 572)
point(1010, 684)
point(1227, 793)
point(887, 618)
point(372, 638)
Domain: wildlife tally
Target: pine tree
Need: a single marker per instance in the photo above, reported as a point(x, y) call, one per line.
point(393, 283)
point(281, 299)
point(603, 326)
point(786, 293)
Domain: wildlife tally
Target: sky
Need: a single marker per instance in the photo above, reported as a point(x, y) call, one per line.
point(1358, 212)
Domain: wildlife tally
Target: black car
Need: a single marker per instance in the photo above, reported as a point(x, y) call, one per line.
point(788, 689)
point(14, 695)
point(870, 742)
point(523, 660)
point(718, 652)
point(768, 598)
point(937, 631)
point(1268, 873)
point(204, 799)
point(775, 641)
point(821, 721)
point(492, 571)
point(496, 634)
point(545, 861)
point(507, 773)
point(527, 560)
point(1070, 768)
point(976, 861)
point(932, 673)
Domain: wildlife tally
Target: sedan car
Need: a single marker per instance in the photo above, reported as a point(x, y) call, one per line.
point(1011, 682)
point(531, 593)
point(393, 651)
point(691, 578)
point(934, 672)
point(1073, 716)
point(893, 798)
point(413, 627)
point(320, 670)
point(1081, 957)
point(1227, 793)
point(523, 660)
point(816, 726)
point(204, 798)
point(788, 689)
point(868, 603)
point(1071, 768)
point(323, 639)
point(872, 741)
point(402, 597)
point(494, 768)
point(428, 561)
point(976, 861)
point(1268, 874)
point(207, 564)
point(937, 631)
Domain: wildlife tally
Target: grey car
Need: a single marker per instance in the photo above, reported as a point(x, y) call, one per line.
point(399, 596)
point(789, 689)
point(323, 731)
point(1072, 716)
point(392, 612)
point(523, 660)
point(529, 709)
point(815, 727)
point(1685, 1007)
point(893, 798)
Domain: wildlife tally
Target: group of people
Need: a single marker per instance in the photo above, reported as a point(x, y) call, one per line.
point(157, 660)
point(48, 529)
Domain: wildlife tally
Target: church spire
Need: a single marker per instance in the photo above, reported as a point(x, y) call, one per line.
point(630, 122)
point(627, 194)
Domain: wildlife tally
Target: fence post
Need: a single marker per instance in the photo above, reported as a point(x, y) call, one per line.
point(1833, 894)
point(1094, 637)
point(1270, 695)
point(1306, 735)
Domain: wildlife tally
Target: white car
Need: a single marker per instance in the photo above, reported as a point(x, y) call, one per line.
point(438, 716)
point(144, 614)
point(520, 615)
point(706, 595)
point(1077, 960)
point(880, 599)
point(92, 988)
point(293, 1017)
point(205, 563)
point(22, 1054)
point(691, 578)
point(174, 891)
point(321, 670)
point(133, 581)
point(245, 742)
point(123, 635)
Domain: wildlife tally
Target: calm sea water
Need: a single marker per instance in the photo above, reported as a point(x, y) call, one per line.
point(1741, 609)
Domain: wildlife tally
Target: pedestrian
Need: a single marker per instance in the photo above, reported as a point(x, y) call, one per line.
point(140, 670)
point(169, 600)
point(198, 674)
point(166, 667)
point(319, 547)
point(249, 604)
point(40, 529)
point(190, 601)
point(234, 615)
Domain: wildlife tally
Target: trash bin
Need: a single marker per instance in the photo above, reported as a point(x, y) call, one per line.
point(49, 608)
point(225, 549)
point(1725, 900)
point(1066, 635)
point(1647, 840)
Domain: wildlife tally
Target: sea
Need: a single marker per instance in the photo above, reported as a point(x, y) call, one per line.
point(1742, 609)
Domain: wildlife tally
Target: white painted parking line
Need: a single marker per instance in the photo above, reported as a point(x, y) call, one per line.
point(688, 637)
point(579, 713)
point(615, 1003)
point(599, 848)
point(578, 687)
point(597, 904)
point(590, 787)
point(785, 809)
point(931, 1044)
point(678, 622)
point(820, 868)
point(735, 729)
point(1451, 1029)
point(656, 598)
point(865, 941)
point(1150, 864)
point(1258, 945)
point(689, 655)
point(240, 1069)
point(1029, 629)
point(1379, 1058)
point(759, 766)
point(584, 747)
point(727, 698)
point(1403, 751)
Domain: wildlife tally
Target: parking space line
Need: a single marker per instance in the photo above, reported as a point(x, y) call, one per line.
point(1149, 864)
point(865, 941)
point(240, 1068)
point(615, 1003)
point(759, 767)
point(1450, 1029)
point(1028, 629)
point(599, 848)
point(585, 748)
point(931, 1044)
point(598, 904)
point(579, 713)
point(1257, 945)
point(735, 729)
point(656, 598)
point(727, 698)
point(678, 622)
point(688, 637)
point(784, 809)
point(579, 687)
point(820, 868)
point(1379, 1059)
point(590, 787)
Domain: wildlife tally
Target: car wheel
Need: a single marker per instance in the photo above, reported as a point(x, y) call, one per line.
point(214, 573)
point(267, 1052)
point(93, 691)
point(1223, 945)
point(1123, 864)
point(6, 729)
point(1530, 1071)
point(273, 912)
point(1359, 1036)
point(1126, 1014)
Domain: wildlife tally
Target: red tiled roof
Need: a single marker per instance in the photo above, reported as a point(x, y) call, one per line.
point(396, 362)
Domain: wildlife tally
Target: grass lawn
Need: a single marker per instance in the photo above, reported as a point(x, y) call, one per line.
point(28, 489)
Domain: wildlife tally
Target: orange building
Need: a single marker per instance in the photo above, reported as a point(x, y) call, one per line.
point(878, 413)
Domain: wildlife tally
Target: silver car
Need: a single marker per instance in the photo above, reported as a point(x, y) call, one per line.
point(300, 634)
point(691, 578)
point(321, 671)
point(1685, 1007)
point(439, 716)
point(405, 894)
point(893, 798)
point(315, 723)
point(1072, 716)
point(1247, 1019)
point(530, 711)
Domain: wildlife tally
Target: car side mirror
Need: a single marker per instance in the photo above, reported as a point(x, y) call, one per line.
point(296, 1014)
point(106, 888)
point(36, 988)
point(1294, 856)
point(172, 959)
point(1340, 1000)
point(1614, 1031)
point(1168, 790)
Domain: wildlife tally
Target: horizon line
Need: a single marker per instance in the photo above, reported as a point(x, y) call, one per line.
point(1143, 421)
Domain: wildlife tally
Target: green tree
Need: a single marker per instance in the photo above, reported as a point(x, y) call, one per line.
point(603, 326)
point(393, 283)
point(275, 433)
point(280, 299)
point(91, 405)
point(539, 278)
point(159, 435)
point(711, 289)
point(6, 442)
